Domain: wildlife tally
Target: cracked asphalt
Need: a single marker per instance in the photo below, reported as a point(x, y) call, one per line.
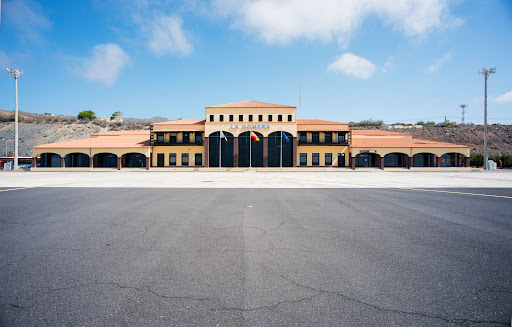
point(255, 257)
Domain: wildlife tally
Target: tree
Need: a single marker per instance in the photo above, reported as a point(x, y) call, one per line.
point(10, 153)
point(117, 114)
point(86, 115)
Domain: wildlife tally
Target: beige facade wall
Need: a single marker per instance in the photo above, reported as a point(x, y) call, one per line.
point(322, 150)
point(178, 150)
point(237, 127)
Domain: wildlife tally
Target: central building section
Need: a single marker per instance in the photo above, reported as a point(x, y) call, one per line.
point(251, 134)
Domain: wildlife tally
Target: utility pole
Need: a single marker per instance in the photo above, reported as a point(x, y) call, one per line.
point(463, 107)
point(15, 73)
point(486, 73)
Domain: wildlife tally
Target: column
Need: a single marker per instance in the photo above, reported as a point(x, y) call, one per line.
point(123, 161)
point(206, 152)
point(91, 162)
point(148, 162)
point(294, 154)
point(467, 162)
point(438, 161)
point(265, 151)
point(118, 163)
point(62, 162)
point(381, 163)
point(34, 162)
point(409, 162)
point(235, 152)
point(432, 160)
point(459, 161)
point(352, 161)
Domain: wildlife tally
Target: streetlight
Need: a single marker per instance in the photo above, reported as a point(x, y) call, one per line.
point(486, 73)
point(15, 73)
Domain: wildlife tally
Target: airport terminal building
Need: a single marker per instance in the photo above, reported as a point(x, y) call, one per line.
point(250, 134)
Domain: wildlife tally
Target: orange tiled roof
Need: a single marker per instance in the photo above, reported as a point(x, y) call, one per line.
point(182, 122)
point(117, 133)
point(386, 142)
point(108, 142)
point(376, 132)
point(318, 122)
point(250, 104)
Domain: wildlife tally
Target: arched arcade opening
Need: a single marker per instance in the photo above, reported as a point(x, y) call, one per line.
point(275, 141)
point(225, 148)
point(105, 160)
point(395, 159)
point(133, 160)
point(50, 160)
point(424, 160)
point(77, 160)
point(367, 160)
point(250, 150)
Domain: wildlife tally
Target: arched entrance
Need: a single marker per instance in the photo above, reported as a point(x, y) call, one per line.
point(244, 147)
point(395, 159)
point(226, 149)
point(451, 160)
point(367, 160)
point(133, 160)
point(105, 160)
point(77, 160)
point(274, 150)
point(424, 160)
point(50, 160)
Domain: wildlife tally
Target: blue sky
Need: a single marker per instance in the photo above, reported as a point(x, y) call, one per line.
point(352, 59)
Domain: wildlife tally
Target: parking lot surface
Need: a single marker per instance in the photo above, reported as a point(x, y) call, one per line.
point(380, 249)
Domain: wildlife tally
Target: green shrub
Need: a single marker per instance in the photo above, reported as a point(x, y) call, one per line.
point(86, 115)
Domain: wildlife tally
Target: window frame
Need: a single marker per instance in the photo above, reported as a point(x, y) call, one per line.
point(250, 117)
point(269, 117)
point(221, 117)
point(231, 118)
point(303, 156)
point(172, 155)
point(317, 156)
point(186, 137)
point(183, 156)
point(305, 135)
point(200, 155)
point(290, 118)
point(212, 118)
point(279, 117)
point(317, 134)
point(328, 155)
point(330, 137)
point(240, 118)
point(260, 118)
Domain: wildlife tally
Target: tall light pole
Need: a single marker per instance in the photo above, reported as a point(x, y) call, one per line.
point(15, 73)
point(486, 73)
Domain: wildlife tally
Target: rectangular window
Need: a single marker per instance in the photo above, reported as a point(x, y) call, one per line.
point(199, 138)
point(289, 117)
point(173, 138)
point(186, 137)
point(279, 117)
point(328, 137)
point(160, 137)
point(211, 117)
point(221, 117)
point(303, 137)
point(341, 138)
point(316, 159)
point(260, 117)
point(172, 159)
point(328, 159)
point(199, 159)
point(269, 117)
point(316, 137)
point(184, 159)
point(303, 159)
point(240, 117)
point(250, 117)
point(230, 117)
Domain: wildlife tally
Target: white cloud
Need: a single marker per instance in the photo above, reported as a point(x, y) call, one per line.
point(168, 37)
point(352, 65)
point(27, 17)
point(283, 21)
point(105, 64)
point(436, 66)
point(388, 64)
point(507, 97)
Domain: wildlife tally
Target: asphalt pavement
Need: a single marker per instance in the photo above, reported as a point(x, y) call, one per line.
point(79, 256)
